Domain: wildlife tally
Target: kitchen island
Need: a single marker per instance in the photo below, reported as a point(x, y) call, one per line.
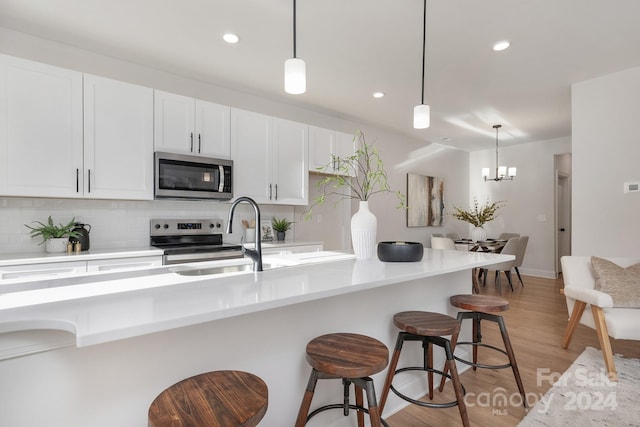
point(135, 333)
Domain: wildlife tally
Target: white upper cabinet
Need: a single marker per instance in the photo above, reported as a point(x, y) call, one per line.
point(118, 140)
point(326, 143)
point(270, 158)
point(40, 129)
point(191, 126)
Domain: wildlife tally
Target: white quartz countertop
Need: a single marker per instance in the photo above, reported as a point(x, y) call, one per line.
point(104, 307)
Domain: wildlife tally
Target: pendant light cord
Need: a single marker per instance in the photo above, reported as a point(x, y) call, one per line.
point(497, 127)
point(294, 28)
point(424, 43)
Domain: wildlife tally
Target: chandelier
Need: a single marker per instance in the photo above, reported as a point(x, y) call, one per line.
point(502, 172)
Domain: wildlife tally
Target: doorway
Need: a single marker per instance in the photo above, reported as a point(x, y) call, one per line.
point(563, 218)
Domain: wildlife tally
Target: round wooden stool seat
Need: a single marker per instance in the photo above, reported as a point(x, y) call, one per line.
point(352, 358)
point(426, 323)
point(212, 399)
point(482, 303)
point(347, 355)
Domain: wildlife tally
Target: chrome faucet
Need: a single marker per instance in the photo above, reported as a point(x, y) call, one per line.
point(254, 254)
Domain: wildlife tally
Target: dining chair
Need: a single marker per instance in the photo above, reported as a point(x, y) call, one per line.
point(510, 248)
point(524, 240)
point(507, 236)
point(442, 243)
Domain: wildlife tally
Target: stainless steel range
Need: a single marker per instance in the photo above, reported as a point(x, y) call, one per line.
point(191, 240)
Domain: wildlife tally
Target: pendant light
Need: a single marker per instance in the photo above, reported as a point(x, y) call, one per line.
point(502, 172)
point(422, 112)
point(295, 80)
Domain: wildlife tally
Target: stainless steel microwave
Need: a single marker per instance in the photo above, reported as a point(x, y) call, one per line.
point(179, 176)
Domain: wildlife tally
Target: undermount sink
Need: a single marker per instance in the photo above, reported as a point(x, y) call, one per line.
point(238, 268)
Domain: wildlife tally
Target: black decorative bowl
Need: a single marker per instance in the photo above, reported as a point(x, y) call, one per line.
point(400, 251)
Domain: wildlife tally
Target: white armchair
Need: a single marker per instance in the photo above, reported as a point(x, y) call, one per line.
point(579, 290)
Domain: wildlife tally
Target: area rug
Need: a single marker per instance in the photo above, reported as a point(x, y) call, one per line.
point(583, 396)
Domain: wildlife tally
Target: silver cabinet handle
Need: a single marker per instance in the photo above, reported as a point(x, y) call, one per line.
point(191, 149)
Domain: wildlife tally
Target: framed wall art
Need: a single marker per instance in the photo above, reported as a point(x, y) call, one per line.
point(425, 201)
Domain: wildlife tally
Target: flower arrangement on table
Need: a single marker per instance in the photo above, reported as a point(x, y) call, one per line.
point(478, 215)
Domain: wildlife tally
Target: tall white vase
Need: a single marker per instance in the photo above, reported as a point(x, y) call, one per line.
point(478, 234)
point(364, 227)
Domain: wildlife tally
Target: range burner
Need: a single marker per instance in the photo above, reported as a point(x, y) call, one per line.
point(186, 240)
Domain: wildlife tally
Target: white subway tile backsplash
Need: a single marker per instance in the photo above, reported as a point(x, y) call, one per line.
point(114, 223)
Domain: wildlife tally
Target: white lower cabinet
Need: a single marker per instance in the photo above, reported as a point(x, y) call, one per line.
point(44, 270)
point(283, 249)
point(123, 264)
point(270, 158)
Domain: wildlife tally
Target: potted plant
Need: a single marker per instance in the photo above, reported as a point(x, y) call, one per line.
point(478, 216)
point(280, 226)
point(55, 236)
point(360, 176)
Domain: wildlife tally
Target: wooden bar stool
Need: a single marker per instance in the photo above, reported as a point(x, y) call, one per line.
point(480, 307)
point(429, 328)
point(352, 358)
point(212, 399)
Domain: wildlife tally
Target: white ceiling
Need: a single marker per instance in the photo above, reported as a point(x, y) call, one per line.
point(355, 47)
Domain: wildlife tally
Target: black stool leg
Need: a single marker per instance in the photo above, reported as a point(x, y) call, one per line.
point(455, 379)
point(512, 358)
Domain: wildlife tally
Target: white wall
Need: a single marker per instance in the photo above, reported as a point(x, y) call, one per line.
point(529, 199)
point(606, 153)
point(125, 224)
point(399, 159)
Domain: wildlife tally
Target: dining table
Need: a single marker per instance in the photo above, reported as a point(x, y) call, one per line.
point(488, 245)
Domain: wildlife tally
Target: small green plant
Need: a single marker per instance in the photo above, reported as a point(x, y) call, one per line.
point(281, 224)
point(52, 231)
point(478, 215)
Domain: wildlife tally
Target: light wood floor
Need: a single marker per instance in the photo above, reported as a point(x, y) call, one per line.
point(536, 323)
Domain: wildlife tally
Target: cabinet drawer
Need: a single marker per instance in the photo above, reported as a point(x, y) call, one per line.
point(36, 271)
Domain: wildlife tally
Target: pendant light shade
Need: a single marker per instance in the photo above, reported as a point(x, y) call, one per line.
point(295, 79)
point(295, 74)
point(421, 116)
point(422, 112)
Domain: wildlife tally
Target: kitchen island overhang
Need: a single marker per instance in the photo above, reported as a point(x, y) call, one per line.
point(104, 308)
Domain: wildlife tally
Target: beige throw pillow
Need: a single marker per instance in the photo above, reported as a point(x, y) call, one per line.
point(623, 284)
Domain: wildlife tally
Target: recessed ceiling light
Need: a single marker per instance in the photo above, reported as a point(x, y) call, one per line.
point(378, 94)
point(501, 45)
point(230, 38)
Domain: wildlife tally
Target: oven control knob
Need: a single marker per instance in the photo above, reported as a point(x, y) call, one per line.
point(165, 226)
point(218, 225)
point(156, 226)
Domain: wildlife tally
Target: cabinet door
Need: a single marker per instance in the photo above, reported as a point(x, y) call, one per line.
point(290, 176)
point(42, 271)
point(124, 264)
point(118, 140)
point(40, 129)
point(321, 141)
point(212, 130)
point(174, 118)
point(251, 148)
point(344, 146)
